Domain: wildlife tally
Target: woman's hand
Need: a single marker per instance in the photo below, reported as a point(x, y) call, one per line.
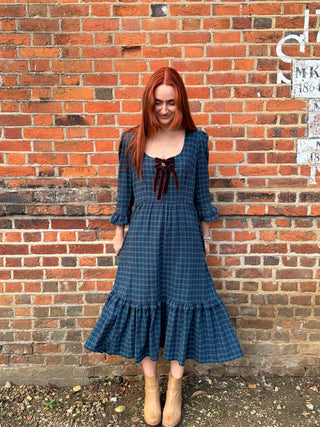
point(205, 227)
point(207, 248)
point(117, 241)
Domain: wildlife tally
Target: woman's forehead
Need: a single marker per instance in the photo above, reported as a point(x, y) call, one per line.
point(164, 92)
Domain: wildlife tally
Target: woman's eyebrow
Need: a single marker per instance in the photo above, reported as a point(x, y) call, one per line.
point(166, 100)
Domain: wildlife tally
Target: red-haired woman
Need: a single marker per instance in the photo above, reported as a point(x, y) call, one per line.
point(163, 295)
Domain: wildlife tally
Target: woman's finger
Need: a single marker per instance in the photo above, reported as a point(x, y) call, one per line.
point(207, 248)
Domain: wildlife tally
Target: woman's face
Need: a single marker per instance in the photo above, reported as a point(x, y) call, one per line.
point(165, 105)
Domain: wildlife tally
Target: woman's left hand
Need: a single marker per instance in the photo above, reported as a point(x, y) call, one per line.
point(207, 248)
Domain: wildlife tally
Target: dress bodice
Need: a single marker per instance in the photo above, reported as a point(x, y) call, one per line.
point(190, 183)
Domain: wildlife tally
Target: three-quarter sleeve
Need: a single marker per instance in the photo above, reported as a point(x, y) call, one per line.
point(206, 211)
point(125, 198)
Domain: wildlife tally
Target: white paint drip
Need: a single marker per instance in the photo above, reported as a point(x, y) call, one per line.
point(294, 37)
point(306, 26)
point(314, 169)
point(164, 9)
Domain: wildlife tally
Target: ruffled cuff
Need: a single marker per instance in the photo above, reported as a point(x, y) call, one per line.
point(120, 218)
point(209, 214)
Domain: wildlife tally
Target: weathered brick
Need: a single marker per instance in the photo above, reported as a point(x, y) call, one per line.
point(262, 23)
point(158, 10)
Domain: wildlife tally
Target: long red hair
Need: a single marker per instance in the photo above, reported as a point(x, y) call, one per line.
point(149, 123)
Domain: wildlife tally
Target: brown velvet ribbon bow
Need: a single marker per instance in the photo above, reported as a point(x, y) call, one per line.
point(164, 168)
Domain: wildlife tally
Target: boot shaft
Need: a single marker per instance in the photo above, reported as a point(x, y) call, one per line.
point(152, 408)
point(172, 408)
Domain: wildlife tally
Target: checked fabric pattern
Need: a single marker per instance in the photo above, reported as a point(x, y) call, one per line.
point(163, 295)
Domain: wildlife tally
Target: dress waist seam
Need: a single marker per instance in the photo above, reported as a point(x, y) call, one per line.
point(164, 201)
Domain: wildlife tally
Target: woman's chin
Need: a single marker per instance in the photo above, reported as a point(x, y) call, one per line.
point(165, 123)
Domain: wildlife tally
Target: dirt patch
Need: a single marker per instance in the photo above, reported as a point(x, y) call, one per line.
point(207, 401)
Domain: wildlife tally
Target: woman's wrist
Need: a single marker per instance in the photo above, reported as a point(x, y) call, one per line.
point(119, 231)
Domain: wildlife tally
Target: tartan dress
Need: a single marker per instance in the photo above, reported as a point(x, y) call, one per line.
point(163, 294)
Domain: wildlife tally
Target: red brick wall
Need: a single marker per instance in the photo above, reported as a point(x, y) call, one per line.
point(72, 75)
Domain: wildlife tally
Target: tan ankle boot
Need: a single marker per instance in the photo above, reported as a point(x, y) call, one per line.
point(152, 408)
point(172, 408)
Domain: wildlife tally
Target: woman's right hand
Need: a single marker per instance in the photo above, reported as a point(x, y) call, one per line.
point(117, 242)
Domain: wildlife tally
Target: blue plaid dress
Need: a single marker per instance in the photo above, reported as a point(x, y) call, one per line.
point(163, 295)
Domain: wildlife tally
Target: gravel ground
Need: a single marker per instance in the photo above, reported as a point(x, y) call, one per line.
point(207, 401)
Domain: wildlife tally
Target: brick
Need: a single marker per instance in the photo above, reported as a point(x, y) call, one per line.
point(130, 39)
point(221, 106)
point(220, 65)
point(289, 22)
point(227, 78)
point(228, 9)
point(190, 37)
point(262, 23)
point(268, 248)
point(159, 24)
point(251, 197)
point(254, 273)
point(256, 323)
point(234, 37)
point(47, 348)
point(68, 224)
point(217, 23)
point(5, 224)
point(308, 287)
point(268, 235)
point(98, 10)
point(253, 92)
point(241, 23)
point(262, 36)
point(160, 52)
point(244, 64)
point(228, 158)
point(14, 249)
point(190, 10)
point(297, 236)
point(83, 248)
point(294, 274)
point(262, 9)
point(158, 10)
point(300, 300)
point(258, 170)
point(190, 24)
point(285, 105)
point(237, 51)
point(256, 158)
point(309, 197)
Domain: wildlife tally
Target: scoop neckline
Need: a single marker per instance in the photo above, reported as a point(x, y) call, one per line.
point(177, 155)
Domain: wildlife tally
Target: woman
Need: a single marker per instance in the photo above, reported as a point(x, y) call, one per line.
point(163, 295)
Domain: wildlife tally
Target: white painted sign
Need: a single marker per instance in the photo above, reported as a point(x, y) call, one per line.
point(305, 83)
point(305, 78)
point(308, 152)
point(314, 118)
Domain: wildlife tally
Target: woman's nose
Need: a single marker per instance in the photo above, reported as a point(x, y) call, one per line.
point(164, 108)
